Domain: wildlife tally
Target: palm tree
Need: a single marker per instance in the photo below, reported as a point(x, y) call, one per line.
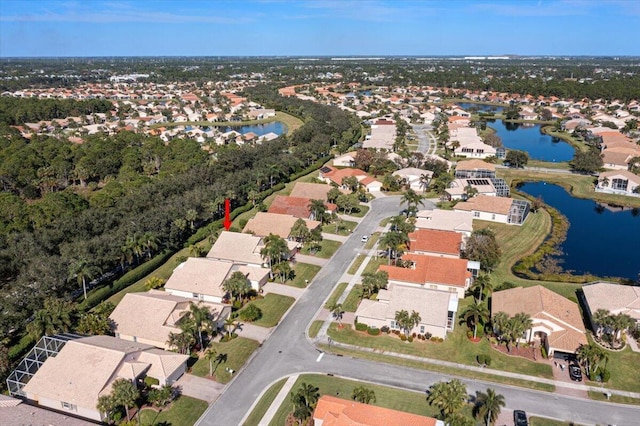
point(499, 323)
point(590, 356)
point(237, 285)
point(337, 311)
point(56, 316)
point(304, 401)
point(425, 178)
point(284, 269)
point(275, 249)
point(124, 393)
point(476, 311)
point(83, 270)
point(449, 397)
point(479, 285)
point(228, 323)
point(620, 323)
point(299, 231)
point(190, 216)
point(363, 395)
point(106, 406)
point(181, 341)
point(411, 198)
point(93, 324)
point(317, 209)
point(150, 242)
point(488, 405)
point(406, 320)
point(201, 316)
point(210, 355)
point(602, 319)
point(523, 323)
point(394, 242)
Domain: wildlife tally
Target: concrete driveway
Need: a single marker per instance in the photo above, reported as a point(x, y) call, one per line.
point(200, 387)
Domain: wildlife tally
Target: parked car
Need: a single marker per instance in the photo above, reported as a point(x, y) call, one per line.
point(364, 239)
point(575, 373)
point(520, 418)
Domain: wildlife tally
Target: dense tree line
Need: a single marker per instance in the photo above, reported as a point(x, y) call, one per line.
point(115, 201)
point(17, 111)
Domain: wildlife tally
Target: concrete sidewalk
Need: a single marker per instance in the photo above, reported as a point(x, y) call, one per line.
point(277, 402)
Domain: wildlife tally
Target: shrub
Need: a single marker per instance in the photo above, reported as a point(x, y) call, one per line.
point(396, 332)
point(22, 347)
point(226, 337)
point(403, 337)
point(487, 360)
point(237, 304)
point(374, 331)
point(410, 339)
point(361, 327)
point(543, 351)
point(427, 335)
point(251, 313)
point(242, 223)
point(385, 329)
point(469, 334)
point(151, 381)
point(413, 335)
point(481, 359)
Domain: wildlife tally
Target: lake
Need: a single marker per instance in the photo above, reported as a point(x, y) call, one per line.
point(530, 138)
point(259, 129)
point(601, 240)
point(480, 107)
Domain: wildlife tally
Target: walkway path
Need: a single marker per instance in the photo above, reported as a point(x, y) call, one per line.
point(283, 289)
point(277, 402)
point(312, 260)
point(334, 237)
point(253, 332)
point(199, 387)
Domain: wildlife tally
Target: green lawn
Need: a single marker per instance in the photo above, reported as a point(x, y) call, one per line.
point(273, 307)
point(265, 402)
point(353, 299)
point(540, 421)
point(328, 247)
point(184, 411)
point(303, 272)
point(374, 263)
point(618, 399)
point(337, 292)
point(237, 350)
point(373, 239)
point(456, 348)
point(314, 328)
point(362, 210)
point(348, 225)
point(356, 264)
point(624, 372)
point(393, 398)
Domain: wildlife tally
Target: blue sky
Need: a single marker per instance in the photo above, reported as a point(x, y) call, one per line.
point(318, 27)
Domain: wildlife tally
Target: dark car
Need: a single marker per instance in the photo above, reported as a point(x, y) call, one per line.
point(520, 418)
point(575, 373)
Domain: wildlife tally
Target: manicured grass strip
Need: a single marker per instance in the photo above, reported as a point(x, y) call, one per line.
point(437, 368)
point(374, 263)
point(263, 405)
point(328, 247)
point(356, 264)
point(396, 399)
point(237, 350)
point(372, 240)
point(273, 307)
point(183, 411)
point(353, 299)
point(314, 328)
point(541, 421)
point(303, 272)
point(600, 396)
point(337, 292)
point(362, 210)
point(456, 348)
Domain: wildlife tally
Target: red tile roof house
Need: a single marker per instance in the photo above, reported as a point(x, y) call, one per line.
point(496, 209)
point(557, 323)
point(314, 191)
point(432, 272)
point(332, 411)
point(436, 243)
point(297, 206)
point(620, 182)
point(331, 174)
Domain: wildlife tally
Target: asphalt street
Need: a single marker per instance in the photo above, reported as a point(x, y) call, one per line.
point(287, 351)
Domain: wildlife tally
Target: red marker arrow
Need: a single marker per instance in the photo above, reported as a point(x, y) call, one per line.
point(227, 214)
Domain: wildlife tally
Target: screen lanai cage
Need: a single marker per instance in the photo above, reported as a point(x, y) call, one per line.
point(29, 365)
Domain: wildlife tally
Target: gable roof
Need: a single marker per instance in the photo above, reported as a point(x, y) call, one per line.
point(295, 206)
point(475, 164)
point(85, 368)
point(200, 275)
point(487, 204)
point(435, 241)
point(314, 191)
point(237, 247)
point(445, 220)
point(332, 411)
point(616, 298)
point(263, 224)
point(430, 269)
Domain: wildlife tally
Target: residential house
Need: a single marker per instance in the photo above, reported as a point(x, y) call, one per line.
point(436, 243)
point(432, 272)
point(332, 411)
point(201, 279)
point(496, 209)
point(446, 220)
point(263, 224)
point(475, 149)
point(347, 159)
point(615, 298)
point(243, 249)
point(314, 191)
point(14, 411)
point(84, 369)
point(383, 135)
point(416, 179)
point(471, 169)
point(459, 189)
point(149, 317)
point(557, 324)
point(333, 175)
point(437, 309)
point(298, 207)
point(620, 182)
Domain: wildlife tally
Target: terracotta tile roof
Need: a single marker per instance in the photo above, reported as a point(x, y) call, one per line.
point(295, 206)
point(434, 241)
point(332, 411)
point(264, 224)
point(486, 203)
point(544, 305)
point(430, 269)
point(475, 165)
point(314, 191)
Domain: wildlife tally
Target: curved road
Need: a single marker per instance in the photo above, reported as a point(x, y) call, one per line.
point(287, 351)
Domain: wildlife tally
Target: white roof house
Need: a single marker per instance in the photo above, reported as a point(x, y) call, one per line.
point(445, 220)
point(615, 298)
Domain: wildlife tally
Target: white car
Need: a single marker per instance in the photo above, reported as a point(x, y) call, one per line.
point(364, 239)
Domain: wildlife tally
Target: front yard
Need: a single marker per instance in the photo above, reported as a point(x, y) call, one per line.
point(327, 248)
point(304, 273)
point(183, 411)
point(273, 307)
point(340, 227)
point(237, 352)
